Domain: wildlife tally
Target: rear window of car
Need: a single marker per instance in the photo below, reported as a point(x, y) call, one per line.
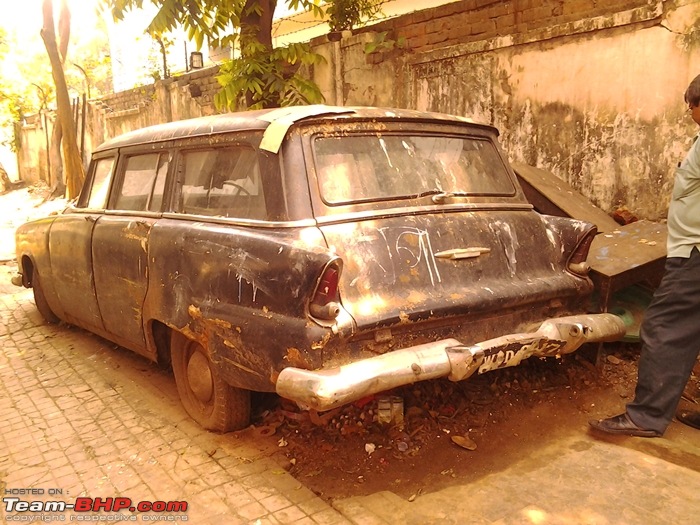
point(394, 166)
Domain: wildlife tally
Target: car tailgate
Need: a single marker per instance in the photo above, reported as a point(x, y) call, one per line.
point(415, 266)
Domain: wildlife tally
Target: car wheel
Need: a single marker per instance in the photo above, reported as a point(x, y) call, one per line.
point(40, 300)
point(207, 398)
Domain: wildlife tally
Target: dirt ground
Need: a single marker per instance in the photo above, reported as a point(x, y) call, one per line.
point(452, 430)
point(462, 430)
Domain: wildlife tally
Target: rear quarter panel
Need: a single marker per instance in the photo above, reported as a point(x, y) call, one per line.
point(242, 292)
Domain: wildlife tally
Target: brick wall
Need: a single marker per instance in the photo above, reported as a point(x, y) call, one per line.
point(471, 20)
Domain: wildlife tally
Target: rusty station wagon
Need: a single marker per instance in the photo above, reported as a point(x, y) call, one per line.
point(321, 252)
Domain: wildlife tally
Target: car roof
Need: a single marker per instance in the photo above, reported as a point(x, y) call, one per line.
point(275, 122)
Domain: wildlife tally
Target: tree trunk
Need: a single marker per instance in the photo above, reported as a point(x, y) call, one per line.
point(57, 184)
point(63, 30)
point(256, 26)
point(74, 174)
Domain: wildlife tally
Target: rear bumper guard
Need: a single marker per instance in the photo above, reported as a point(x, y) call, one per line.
point(326, 389)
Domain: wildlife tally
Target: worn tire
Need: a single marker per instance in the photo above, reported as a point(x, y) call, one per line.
point(207, 398)
point(40, 300)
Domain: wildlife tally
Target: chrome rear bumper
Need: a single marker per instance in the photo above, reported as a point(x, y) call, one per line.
point(326, 389)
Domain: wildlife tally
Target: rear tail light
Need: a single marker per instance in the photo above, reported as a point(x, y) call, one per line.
point(325, 303)
point(577, 262)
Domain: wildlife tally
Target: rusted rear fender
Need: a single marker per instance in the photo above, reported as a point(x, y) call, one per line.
point(567, 234)
point(242, 292)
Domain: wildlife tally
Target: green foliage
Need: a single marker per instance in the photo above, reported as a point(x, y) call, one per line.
point(26, 87)
point(382, 43)
point(307, 5)
point(89, 70)
point(347, 14)
point(259, 76)
point(12, 109)
point(214, 22)
point(268, 78)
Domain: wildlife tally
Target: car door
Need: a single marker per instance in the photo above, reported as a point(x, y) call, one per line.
point(70, 248)
point(120, 245)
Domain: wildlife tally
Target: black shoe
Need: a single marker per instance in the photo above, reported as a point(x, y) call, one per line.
point(622, 425)
point(689, 417)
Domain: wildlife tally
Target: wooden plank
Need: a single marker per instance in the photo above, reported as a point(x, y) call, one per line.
point(553, 196)
point(628, 247)
point(632, 254)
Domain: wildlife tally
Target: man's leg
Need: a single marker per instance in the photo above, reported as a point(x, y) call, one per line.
point(670, 344)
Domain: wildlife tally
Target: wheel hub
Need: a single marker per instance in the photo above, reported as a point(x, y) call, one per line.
point(199, 377)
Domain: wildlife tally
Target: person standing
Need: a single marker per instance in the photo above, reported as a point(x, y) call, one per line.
point(670, 331)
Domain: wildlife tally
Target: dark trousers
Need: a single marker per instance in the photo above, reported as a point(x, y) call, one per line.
point(670, 336)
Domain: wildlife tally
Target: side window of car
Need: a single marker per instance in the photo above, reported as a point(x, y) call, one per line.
point(222, 182)
point(101, 179)
point(142, 183)
point(159, 184)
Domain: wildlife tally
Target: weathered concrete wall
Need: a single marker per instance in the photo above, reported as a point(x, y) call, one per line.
point(590, 90)
point(32, 153)
point(187, 96)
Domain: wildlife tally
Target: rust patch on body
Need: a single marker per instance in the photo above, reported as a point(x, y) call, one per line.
point(209, 331)
point(295, 358)
point(319, 345)
point(196, 314)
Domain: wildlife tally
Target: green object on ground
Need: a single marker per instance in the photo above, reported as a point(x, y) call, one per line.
point(630, 304)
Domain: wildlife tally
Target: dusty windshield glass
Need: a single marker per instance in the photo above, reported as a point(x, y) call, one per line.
point(371, 167)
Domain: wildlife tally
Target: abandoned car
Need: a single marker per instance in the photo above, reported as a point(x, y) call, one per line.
point(325, 253)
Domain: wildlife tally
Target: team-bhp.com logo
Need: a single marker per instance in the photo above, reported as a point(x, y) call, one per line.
point(17, 509)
